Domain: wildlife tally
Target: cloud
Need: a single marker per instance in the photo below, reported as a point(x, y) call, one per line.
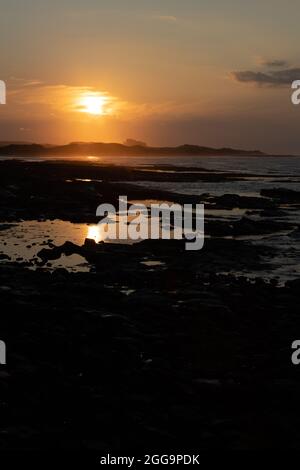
point(276, 79)
point(166, 18)
point(272, 63)
point(276, 63)
point(40, 100)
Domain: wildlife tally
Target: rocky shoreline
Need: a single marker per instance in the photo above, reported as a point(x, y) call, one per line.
point(135, 355)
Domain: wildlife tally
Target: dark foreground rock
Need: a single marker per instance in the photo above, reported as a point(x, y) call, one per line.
point(135, 357)
point(283, 195)
point(113, 259)
point(245, 226)
point(131, 357)
point(72, 191)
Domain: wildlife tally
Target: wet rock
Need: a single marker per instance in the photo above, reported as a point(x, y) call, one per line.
point(283, 195)
point(231, 201)
point(294, 284)
point(295, 233)
point(81, 352)
point(244, 226)
point(6, 226)
point(6, 194)
point(60, 272)
point(68, 248)
point(5, 288)
point(273, 213)
point(90, 244)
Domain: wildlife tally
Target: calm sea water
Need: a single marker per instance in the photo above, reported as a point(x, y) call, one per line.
point(25, 239)
point(259, 173)
point(257, 165)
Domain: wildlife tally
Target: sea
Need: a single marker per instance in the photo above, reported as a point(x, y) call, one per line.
point(263, 172)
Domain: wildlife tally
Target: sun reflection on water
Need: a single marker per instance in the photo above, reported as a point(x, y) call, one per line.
point(95, 232)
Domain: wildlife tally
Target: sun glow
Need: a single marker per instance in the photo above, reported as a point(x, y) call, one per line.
point(95, 233)
point(93, 104)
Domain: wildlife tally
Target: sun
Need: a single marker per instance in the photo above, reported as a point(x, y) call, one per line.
point(93, 105)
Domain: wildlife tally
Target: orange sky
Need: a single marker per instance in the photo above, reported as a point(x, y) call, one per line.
point(212, 72)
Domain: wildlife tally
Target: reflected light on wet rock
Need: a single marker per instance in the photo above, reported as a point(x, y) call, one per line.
point(95, 232)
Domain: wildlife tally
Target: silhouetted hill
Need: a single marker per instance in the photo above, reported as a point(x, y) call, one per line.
point(116, 149)
point(6, 143)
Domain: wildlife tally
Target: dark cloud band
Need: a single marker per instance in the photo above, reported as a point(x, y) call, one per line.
point(274, 63)
point(276, 78)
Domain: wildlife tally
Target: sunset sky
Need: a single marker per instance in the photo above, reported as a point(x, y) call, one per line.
point(168, 72)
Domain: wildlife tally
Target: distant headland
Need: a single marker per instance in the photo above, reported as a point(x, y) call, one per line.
point(101, 149)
